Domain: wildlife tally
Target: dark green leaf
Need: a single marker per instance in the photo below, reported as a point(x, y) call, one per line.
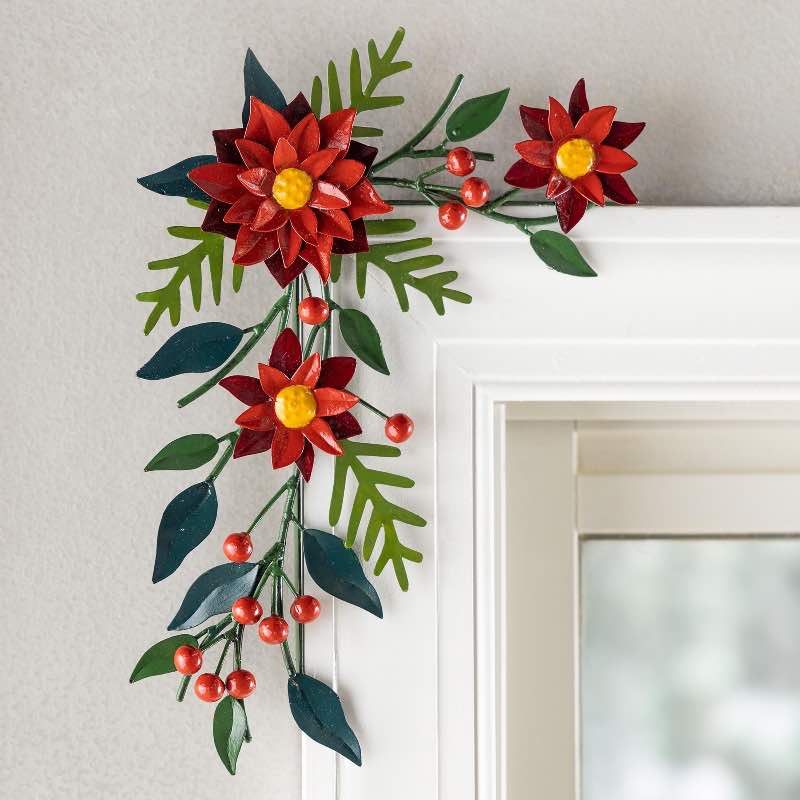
point(188, 452)
point(158, 659)
point(336, 569)
point(561, 254)
point(213, 593)
point(185, 523)
point(475, 115)
point(257, 83)
point(198, 348)
point(230, 724)
point(317, 710)
point(362, 338)
point(173, 182)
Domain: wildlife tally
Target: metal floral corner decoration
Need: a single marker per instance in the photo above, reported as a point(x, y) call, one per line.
point(296, 187)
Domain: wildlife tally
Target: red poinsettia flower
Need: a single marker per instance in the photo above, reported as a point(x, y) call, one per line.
point(579, 155)
point(290, 189)
point(294, 406)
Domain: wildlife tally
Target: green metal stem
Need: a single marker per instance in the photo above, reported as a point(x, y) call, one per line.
point(271, 502)
point(372, 408)
point(225, 457)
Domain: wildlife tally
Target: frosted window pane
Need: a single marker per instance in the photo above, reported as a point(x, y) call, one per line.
point(690, 669)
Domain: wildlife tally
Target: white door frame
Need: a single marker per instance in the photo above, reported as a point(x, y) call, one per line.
point(692, 305)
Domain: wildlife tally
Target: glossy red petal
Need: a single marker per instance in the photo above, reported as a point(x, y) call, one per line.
point(284, 155)
point(595, 124)
point(290, 244)
point(257, 180)
point(534, 120)
point(612, 160)
point(570, 207)
point(616, 188)
point(244, 388)
point(623, 133)
point(243, 210)
point(317, 163)
point(252, 246)
point(359, 242)
point(283, 275)
point(537, 152)
point(272, 380)
point(269, 215)
point(326, 195)
point(218, 180)
point(345, 173)
point(335, 222)
point(287, 446)
point(337, 371)
point(558, 122)
point(225, 144)
point(265, 125)
point(319, 433)
point(304, 222)
point(333, 401)
point(213, 222)
point(286, 353)
point(254, 154)
point(578, 104)
point(251, 442)
point(365, 201)
point(337, 129)
point(319, 258)
point(306, 461)
point(526, 176)
point(591, 188)
point(344, 425)
point(308, 372)
point(296, 110)
point(558, 185)
point(305, 137)
point(257, 418)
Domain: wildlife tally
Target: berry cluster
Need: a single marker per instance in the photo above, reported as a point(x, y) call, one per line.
point(474, 191)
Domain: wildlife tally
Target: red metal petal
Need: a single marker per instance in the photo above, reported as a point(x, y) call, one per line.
point(527, 176)
point(272, 379)
point(359, 151)
point(296, 110)
point(335, 222)
point(616, 188)
point(337, 128)
point(290, 244)
point(285, 155)
point(578, 104)
point(269, 216)
point(319, 258)
point(286, 352)
point(333, 401)
point(536, 151)
point(319, 433)
point(591, 188)
point(257, 180)
point(344, 425)
point(623, 133)
point(326, 195)
point(558, 185)
point(251, 442)
point(257, 418)
point(252, 246)
point(594, 125)
point(308, 372)
point(317, 163)
point(558, 122)
point(283, 275)
point(218, 180)
point(337, 371)
point(265, 125)
point(213, 220)
point(365, 201)
point(254, 154)
point(243, 210)
point(570, 207)
point(304, 222)
point(305, 137)
point(345, 173)
point(245, 389)
point(358, 244)
point(306, 461)
point(225, 144)
point(534, 120)
point(287, 446)
point(612, 160)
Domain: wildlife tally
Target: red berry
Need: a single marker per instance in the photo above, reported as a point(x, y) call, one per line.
point(188, 659)
point(209, 687)
point(305, 608)
point(475, 192)
point(452, 215)
point(313, 311)
point(460, 161)
point(238, 547)
point(273, 630)
point(398, 428)
point(240, 684)
point(246, 611)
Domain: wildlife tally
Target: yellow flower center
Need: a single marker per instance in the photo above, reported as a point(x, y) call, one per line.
point(295, 406)
point(292, 188)
point(575, 158)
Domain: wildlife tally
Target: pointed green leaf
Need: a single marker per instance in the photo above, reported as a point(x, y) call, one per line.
point(158, 659)
point(336, 570)
point(560, 253)
point(362, 338)
point(317, 710)
point(475, 115)
point(257, 83)
point(187, 452)
point(173, 181)
point(230, 726)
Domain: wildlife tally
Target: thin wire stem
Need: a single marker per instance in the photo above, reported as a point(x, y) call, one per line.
point(372, 408)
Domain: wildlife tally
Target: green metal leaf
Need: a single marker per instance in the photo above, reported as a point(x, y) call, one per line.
point(362, 338)
point(386, 227)
point(335, 568)
point(257, 83)
point(475, 115)
point(318, 712)
point(230, 727)
point(560, 253)
point(158, 659)
point(383, 514)
point(187, 452)
point(186, 522)
point(173, 181)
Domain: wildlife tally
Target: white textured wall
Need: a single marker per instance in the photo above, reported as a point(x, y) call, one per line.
point(94, 94)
